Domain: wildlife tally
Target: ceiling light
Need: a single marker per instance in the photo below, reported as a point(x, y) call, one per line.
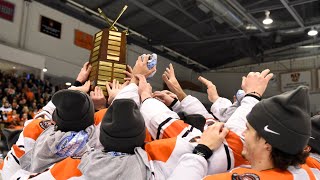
point(309, 46)
point(267, 20)
point(251, 27)
point(44, 69)
point(312, 32)
point(68, 83)
point(14, 67)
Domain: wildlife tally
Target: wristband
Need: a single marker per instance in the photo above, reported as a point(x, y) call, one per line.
point(77, 83)
point(254, 96)
point(173, 103)
point(203, 150)
point(254, 92)
point(146, 99)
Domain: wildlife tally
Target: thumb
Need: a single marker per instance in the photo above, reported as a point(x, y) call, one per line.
point(224, 132)
point(243, 80)
point(151, 71)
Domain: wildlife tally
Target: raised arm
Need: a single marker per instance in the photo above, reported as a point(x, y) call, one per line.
point(189, 104)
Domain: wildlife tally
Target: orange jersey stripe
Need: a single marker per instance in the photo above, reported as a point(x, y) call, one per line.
point(160, 149)
point(98, 116)
point(174, 129)
point(148, 137)
point(66, 168)
point(313, 163)
point(310, 173)
point(235, 143)
point(33, 129)
point(18, 152)
point(1, 165)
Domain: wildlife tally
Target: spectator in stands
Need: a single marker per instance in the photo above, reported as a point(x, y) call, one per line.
point(6, 107)
point(15, 106)
point(15, 117)
point(24, 117)
point(30, 95)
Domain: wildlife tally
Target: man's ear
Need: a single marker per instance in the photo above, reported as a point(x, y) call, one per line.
point(307, 149)
point(267, 146)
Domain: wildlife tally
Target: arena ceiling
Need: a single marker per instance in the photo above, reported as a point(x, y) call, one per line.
point(209, 34)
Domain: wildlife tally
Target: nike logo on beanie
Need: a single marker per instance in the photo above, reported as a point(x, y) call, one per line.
point(270, 131)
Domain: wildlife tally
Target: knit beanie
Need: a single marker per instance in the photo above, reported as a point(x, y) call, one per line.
point(284, 120)
point(74, 110)
point(196, 120)
point(122, 127)
point(314, 141)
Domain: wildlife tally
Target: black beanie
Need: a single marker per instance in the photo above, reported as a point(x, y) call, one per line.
point(196, 120)
point(284, 120)
point(122, 127)
point(74, 110)
point(314, 141)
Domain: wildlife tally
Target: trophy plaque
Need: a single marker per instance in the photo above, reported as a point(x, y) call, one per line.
point(108, 56)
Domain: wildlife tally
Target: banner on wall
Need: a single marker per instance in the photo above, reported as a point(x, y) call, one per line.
point(50, 27)
point(290, 81)
point(83, 39)
point(6, 10)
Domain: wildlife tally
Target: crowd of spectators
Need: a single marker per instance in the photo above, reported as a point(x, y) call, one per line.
point(21, 97)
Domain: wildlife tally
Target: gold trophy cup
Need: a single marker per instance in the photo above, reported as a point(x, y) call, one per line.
point(108, 56)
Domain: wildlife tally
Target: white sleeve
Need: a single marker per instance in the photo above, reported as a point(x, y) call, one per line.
point(21, 175)
point(218, 105)
point(237, 121)
point(177, 107)
point(11, 161)
point(155, 113)
point(190, 167)
point(10, 165)
point(46, 111)
point(192, 105)
point(129, 92)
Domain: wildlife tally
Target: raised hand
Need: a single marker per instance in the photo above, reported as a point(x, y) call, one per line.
point(141, 67)
point(171, 81)
point(84, 72)
point(256, 83)
point(171, 94)
point(145, 89)
point(163, 97)
point(211, 89)
point(98, 98)
point(114, 88)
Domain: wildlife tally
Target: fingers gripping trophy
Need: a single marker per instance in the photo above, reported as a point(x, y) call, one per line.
point(108, 56)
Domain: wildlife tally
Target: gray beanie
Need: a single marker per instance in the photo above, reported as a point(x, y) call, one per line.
point(314, 141)
point(122, 127)
point(74, 110)
point(284, 120)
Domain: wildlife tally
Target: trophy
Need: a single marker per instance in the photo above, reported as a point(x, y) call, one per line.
point(108, 56)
